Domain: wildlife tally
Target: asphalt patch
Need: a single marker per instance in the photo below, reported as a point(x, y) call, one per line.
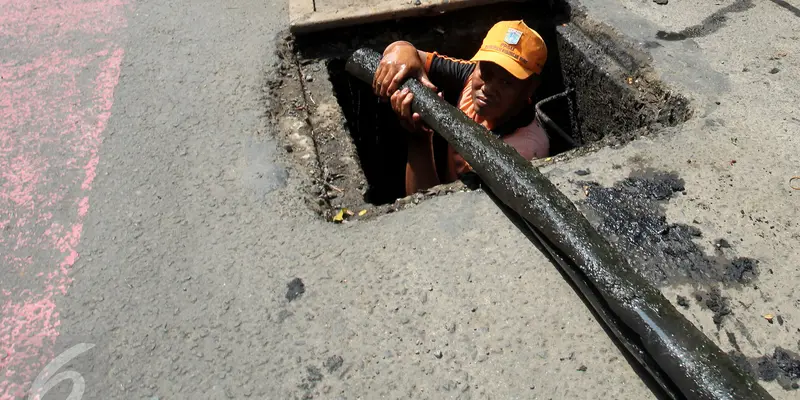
point(631, 215)
point(683, 301)
point(741, 270)
point(782, 366)
point(718, 304)
point(296, 289)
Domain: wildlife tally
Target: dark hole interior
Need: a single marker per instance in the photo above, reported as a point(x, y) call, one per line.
point(380, 140)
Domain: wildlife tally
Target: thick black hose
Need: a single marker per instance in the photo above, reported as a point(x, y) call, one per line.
point(648, 368)
point(692, 362)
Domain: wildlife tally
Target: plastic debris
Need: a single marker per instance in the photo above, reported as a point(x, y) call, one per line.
point(794, 182)
point(361, 213)
point(768, 317)
point(342, 215)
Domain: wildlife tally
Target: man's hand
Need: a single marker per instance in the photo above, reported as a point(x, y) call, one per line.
point(401, 104)
point(411, 121)
point(401, 60)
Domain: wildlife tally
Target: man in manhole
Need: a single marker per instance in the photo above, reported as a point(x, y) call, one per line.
point(495, 89)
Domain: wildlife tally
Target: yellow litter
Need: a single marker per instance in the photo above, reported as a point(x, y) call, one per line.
point(342, 215)
point(361, 213)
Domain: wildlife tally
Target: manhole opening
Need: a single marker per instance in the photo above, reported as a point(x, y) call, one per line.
point(379, 139)
point(604, 103)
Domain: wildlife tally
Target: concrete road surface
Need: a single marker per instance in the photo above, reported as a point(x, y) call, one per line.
point(153, 230)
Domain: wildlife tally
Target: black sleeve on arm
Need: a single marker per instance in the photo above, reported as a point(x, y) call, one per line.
point(449, 75)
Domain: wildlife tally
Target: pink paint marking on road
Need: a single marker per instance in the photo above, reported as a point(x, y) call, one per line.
point(34, 19)
point(51, 126)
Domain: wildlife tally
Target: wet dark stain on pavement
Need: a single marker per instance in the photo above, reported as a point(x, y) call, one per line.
point(732, 340)
point(296, 289)
point(782, 366)
point(631, 215)
point(710, 24)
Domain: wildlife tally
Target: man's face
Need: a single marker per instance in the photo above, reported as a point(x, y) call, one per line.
point(496, 93)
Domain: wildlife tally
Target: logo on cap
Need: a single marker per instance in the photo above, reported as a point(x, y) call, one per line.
point(513, 36)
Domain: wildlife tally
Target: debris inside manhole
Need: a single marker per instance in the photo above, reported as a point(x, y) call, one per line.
point(342, 215)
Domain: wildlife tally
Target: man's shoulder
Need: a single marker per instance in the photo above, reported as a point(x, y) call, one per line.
point(449, 74)
point(437, 63)
point(452, 59)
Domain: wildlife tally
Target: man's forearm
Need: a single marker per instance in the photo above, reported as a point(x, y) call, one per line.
point(421, 167)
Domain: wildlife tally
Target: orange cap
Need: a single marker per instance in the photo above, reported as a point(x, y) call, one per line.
point(515, 47)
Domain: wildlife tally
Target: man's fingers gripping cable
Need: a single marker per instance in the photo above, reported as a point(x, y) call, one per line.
point(376, 82)
point(406, 106)
point(391, 75)
point(395, 101)
point(398, 78)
